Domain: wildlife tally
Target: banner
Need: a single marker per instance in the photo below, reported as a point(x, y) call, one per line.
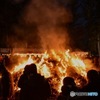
point(5, 50)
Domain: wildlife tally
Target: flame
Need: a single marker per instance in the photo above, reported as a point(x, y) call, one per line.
point(22, 65)
point(45, 71)
point(58, 64)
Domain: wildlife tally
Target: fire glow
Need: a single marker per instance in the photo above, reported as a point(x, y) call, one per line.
point(55, 65)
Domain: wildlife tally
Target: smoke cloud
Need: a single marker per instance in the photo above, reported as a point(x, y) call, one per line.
point(44, 25)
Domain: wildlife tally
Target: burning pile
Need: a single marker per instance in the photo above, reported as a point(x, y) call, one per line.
point(55, 65)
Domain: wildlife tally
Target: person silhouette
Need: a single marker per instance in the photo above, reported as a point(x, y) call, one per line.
point(68, 86)
point(33, 85)
point(6, 82)
point(93, 80)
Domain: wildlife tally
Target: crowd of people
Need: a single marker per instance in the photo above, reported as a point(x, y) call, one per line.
point(33, 86)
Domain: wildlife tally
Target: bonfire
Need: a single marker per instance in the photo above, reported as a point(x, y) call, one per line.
point(55, 65)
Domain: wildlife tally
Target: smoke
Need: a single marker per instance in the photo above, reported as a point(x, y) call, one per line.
point(45, 24)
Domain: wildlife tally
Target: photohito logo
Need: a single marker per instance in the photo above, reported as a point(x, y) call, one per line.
point(92, 93)
point(72, 93)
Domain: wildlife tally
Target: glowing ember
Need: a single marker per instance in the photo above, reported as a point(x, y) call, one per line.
point(57, 65)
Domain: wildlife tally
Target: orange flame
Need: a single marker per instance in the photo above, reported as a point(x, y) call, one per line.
point(22, 65)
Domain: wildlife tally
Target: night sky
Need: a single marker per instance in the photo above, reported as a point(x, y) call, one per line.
point(20, 22)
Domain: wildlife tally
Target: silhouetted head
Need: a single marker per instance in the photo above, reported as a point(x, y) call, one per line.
point(68, 81)
point(30, 69)
point(92, 75)
point(68, 85)
point(33, 68)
